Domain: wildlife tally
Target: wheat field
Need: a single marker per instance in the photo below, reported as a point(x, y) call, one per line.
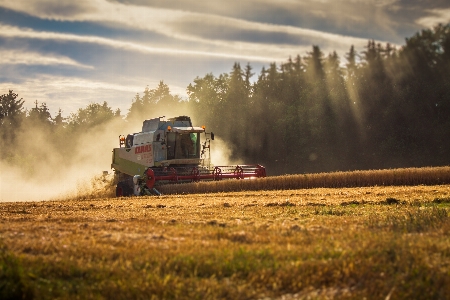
point(384, 242)
point(389, 177)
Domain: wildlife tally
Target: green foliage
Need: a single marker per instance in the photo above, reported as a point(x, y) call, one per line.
point(13, 284)
point(419, 220)
point(153, 103)
point(11, 117)
point(40, 115)
point(94, 114)
point(11, 109)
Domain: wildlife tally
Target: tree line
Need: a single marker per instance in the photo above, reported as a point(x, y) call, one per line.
point(379, 108)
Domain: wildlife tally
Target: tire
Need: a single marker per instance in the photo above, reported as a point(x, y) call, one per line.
point(123, 189)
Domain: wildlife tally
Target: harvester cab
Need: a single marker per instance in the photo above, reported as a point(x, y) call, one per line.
point(169, 151)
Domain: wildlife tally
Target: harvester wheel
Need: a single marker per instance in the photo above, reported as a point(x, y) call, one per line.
point(123, 189)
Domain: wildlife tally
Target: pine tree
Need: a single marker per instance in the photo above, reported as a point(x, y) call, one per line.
point(11, 109)
point(40, 114)
point(58, 120)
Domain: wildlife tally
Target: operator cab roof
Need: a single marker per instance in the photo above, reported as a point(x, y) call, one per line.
point(187, 129)
point(161, 124)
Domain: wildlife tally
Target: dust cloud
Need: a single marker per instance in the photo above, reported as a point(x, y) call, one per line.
point(54, 166)
point(221, 154)
point(71, 164)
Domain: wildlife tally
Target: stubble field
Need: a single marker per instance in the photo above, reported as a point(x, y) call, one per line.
point(324, 243)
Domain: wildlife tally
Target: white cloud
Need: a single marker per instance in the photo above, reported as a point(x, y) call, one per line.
point(171, 23)
point(436, 16)
point(13, 57)
point(15, 32)
point(224, 49)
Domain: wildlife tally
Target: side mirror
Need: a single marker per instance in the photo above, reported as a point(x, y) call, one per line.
point(212, 136)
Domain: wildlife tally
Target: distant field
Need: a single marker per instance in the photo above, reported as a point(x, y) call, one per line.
point(386, 242)
point(389, 177)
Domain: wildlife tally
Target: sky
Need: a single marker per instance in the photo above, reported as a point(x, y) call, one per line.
point(72, 53)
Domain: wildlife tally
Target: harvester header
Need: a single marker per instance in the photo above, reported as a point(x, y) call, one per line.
point(166, 152)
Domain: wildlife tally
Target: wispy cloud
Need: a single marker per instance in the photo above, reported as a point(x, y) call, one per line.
point(25, 57)
point(26, 33)
point(194, 32)
point(436, 16)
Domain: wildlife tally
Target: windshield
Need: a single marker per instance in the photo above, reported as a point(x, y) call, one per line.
point(183, 145)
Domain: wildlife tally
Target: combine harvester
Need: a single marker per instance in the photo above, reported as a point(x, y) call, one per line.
point(169, 152)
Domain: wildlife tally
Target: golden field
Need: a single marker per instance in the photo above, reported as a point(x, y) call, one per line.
point(389, 242)
point(387, 177)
